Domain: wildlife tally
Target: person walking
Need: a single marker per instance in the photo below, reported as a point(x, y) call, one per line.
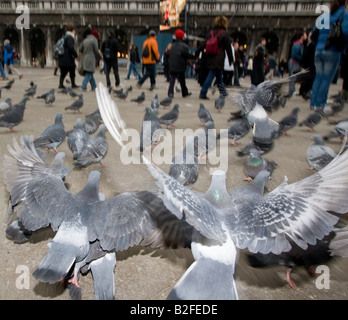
point(272, 65)
point(178, 56)
point(66, 61)
point(150, 56)
point(2, 71)
point(89, 50)
point(133, 60)
point(110, 48)
point(227, 74)
point(166, 62)
point(217, 42)
point(9, 59)
point(237, 63)
point(327, 56)
point(260, 54)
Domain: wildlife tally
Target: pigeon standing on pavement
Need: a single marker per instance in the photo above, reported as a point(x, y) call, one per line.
point(219, 103)
point(166, 102)
point(44, 95)
point(288, 122)
point(140, 99)
point(204, 114)
point(170, 117)
point(31, 91)
point(318, 154)
point(50, 98)
point(14, 116)
point(238, 129)
point(77, 139)
point(76, 105)
point(92, 122)
point(5, 105)
point(155, 104)
point(53, 135)
point(340, 131)
point(311, 121)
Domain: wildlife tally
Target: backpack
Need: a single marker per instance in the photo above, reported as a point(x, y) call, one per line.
point(146, 52)
point(58, 48)
point(336, 36)
point(212, 44)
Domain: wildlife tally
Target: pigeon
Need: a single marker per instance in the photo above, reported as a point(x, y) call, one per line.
point(238, 129)
point(77, 139)
point(339, 244)
point(65, 90)
point(155, 104)
point(166, 102)
point(44, 95)
point(8, 85)
point(319, 155)
point(170, 117)
point(256, 163)
point(50, 98)
point(311, 121)
point(314, 255)
point(53, 135)
point(92, 122)
point(140, 99)
point(31, 91)
point(204, 114)
point(5, 105)
point(288, 122)
point(94, 150)
point(338, 105)
point(177, 89)
point(219, 103)
point(235, 115)
point(14, 116)
point(184, 167)
point(206, 139)
point(80, 219)
point(76, 105)
point(72, 93)
point(340, 131)
point(123, 96)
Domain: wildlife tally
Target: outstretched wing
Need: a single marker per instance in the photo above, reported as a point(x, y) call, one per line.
point(298, 211)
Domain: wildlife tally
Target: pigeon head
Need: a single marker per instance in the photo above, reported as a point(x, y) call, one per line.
point(78, 124)
point(262, 177)
point(91, 189)
point(317, 139)
point(296, 110)
point(254, 153)
point(57, 165)
point(59, 117)
point(217, 192)
point(201, 106)
point(176, 107)
point(102, 130)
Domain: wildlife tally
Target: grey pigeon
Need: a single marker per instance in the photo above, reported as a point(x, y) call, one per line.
point(184, 167)
point(140, 99)
point(123, 96)
point(170, 117)
point(318, 154)
point(166, 102)
point(206, 139)
point(311, 121)
point(76, 105)
point(245, 218)
point(219, 103)
point(256, 163)
point(288, 122)
point(92, 122)
point(8, 85)
point(65, 90)
point(238, 129)
point(31, 91)
point(53, 135)
point(44, 95)
point(340, 131)
point(204, 114)
point(72, 93)
point(339, 244)
point(77, 139)
point(155, 104)
point(94, 150)
point(50, 98)
point(80, 220)
point(14, 116)
point(5, 105)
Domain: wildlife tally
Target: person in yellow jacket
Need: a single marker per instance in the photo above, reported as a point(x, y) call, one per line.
point(150, 56)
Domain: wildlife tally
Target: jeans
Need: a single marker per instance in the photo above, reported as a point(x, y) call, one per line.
point(209, 80)
point(149, 73)
point(133, 67)
point(88, 78)
point(326, 64)
point(3, 74)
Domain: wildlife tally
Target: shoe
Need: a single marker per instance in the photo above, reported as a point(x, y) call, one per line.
point(151, 88)
point(187, 94)
point(61, 86)
point(138, 85)
point(74, 86)
point(20, 77)
point(203, 97)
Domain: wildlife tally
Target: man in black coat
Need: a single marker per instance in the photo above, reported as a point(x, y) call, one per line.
point(260, 54)
point(178, 55)
point(110, 48)
point(66, 61)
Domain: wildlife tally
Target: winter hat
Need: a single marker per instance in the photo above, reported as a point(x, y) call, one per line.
point(95, 33)
point(179, 34)
point(6, 42)
point(152, 33)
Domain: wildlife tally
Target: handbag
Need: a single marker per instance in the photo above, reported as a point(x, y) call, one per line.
point(336, 37)
point(80, 65)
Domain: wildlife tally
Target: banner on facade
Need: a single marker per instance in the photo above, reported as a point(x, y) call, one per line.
point(171, 13)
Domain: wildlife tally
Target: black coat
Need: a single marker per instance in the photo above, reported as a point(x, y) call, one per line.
point(68, 58)
point(217, 61)
point(178, 55)
point(114, 46)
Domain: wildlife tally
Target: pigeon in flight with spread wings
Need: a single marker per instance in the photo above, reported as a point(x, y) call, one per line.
point(80, 219)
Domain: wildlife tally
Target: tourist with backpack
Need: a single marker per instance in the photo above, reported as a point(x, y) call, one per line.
point(67, 56)
point(110, 48)
point(216, 44)
point(9, 55)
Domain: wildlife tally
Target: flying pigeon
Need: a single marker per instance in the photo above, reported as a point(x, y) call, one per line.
point(94, 150)
point(204, 114)
point(140, 99)
point(14, 116)
point(288, 122)
point(155, 104)
point(77, 139)
point(340, 131)
point(76, 105)
point(219, 103)
point(92, 122)
point(318, 154)
point(238, 129)
point(170, 117)
point(50, 98)
point(311, 121)
point(166, 102)
point(256, 163)
point(53, 135)
point(339, 244)
point(5, 105)
point(80, 219)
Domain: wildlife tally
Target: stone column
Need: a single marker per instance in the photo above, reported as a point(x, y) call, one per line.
point(49, 48)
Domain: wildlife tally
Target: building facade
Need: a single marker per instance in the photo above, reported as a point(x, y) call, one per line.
point(278, 21)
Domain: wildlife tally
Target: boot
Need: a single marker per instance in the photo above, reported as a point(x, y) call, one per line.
point(61, 83)
point(73, 84)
